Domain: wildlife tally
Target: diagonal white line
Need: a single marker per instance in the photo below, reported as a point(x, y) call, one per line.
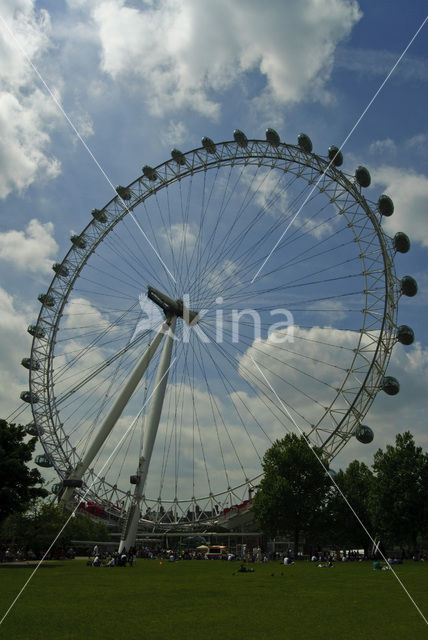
point(85, 145)
point(342, 145)
point(83, 497)
point(338, 489)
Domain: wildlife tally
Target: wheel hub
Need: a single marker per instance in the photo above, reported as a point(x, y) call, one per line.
point(172, 307)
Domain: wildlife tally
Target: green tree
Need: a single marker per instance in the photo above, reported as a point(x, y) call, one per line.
point(400, 492)
point(356, 484)
point(39, 527)
point(19, 485)
point(292, 495)
point(50, 519)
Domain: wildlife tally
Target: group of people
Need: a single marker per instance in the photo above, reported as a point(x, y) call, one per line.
point(116, 559)
point(322, 559)
point(13, 553)
point(377, 565)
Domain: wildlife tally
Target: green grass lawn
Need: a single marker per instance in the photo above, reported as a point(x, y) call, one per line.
point(207, 600)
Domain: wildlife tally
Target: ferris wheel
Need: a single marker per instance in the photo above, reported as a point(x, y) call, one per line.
point(220, 300)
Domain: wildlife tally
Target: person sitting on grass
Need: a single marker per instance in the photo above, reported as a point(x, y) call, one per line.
point(327, 565)
point(243, 569)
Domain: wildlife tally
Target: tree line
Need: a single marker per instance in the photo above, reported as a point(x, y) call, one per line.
point(301, 497)
point(28, 522)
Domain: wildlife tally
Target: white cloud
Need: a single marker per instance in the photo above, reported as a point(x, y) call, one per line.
point(379, 62)
point(180, 237)
point(25, 30)
point(214, 279)
point(175, 133)
point(78, 355)
point(15, 344)
point(26, 112)
point(82, 308)
point(383, 147)
point(330, 311)
point(269, 191)
point(185, 50)
point(23, 156)
point(418, 142)
point(409, 192)
point(306, 372)
point(31, 250)
point(83, 123)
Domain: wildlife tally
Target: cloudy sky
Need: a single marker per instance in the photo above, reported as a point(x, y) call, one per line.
point(134, 79)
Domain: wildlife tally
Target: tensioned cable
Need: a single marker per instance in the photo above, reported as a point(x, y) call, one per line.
point(288, 365)
point(167, 231)
point(289, 264)
point(17, 412)
point(203, 209)
point(232, 362)
point(185, 202)
point(94, 343)
point(242, 272)
point(107, 397)
point(227, 385)
point(177, 460)
point(223, 253)
point(249, 254)
point(120, 280)
point(99, 369)
point(261, 212)
point(224, 203)
point(131, 357)
point(134, 262)
point(213, 403)
point(218, 255)
point(278, 346)
point(195, 414)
